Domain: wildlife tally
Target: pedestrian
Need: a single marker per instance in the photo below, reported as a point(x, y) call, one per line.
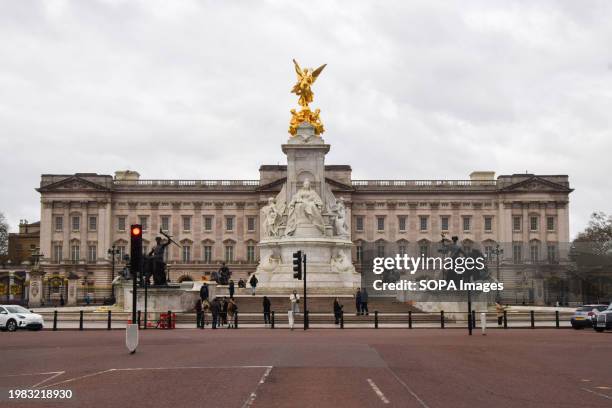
point(224, 306)
point(266, 311)
point(499, 308)
point(253, 282)
point(206, 308)
point(337, 311)
point(358, 302)
point(231, 313)
point(231, 289)
point(204, 292)
point(294, 299)
point(241, 284)
point(62, 302)
point(87, 299)
point(214, 277)
point(215, 309)
point(198, 310)
point(364, 302)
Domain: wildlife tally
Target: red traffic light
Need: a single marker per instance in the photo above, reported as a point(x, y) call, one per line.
point(136, 231)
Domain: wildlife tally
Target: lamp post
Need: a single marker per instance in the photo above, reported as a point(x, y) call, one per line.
point(112, 252)
point(497, 252)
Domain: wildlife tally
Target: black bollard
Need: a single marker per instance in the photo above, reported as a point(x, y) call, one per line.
point(342, 319)
point(441, 319)
point(505, 319)
point(272, 320)
point(557, 319)
point(81, 320)
point(410, 319)
point(376, 319)
point(108, 320)
point(236, 319)
point(54, 320)
point(532, 317)
point(169, 319)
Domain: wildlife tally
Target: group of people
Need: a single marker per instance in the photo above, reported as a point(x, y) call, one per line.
point(222, 310)
point(223, 277)
point(361, 302)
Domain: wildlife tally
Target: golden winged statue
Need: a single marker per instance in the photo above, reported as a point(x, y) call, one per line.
point(305, 78)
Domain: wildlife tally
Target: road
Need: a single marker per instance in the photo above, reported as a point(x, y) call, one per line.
point(318, 368)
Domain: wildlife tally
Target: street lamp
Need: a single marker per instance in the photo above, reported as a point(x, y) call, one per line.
point(112, 252)
point(497, 252)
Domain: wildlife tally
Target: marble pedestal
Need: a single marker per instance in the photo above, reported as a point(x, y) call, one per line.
point(160, 299)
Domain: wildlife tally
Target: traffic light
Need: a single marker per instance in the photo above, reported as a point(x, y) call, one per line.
point(297, 265)
point(135, 250)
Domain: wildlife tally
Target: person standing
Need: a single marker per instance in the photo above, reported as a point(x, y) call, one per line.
point(499, 308)
point(294, 299)
point(358, 302)
point(266, 311)
point(231, 313)
point(198, 309)
point(337, 311)
point(224, 306)
point(204, 292)
point(215, 309)
point(231, 288)
point(364, 302)
point(253, 282)
point(62, 302)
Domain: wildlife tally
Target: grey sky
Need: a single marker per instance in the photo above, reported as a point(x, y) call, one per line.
point(200, 90)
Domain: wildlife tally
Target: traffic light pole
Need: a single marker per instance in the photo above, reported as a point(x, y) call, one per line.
point(305, 297)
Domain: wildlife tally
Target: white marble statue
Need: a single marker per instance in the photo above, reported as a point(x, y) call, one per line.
point(340, 218)
point(305, 208)
point(340, 262)
point(270, 217)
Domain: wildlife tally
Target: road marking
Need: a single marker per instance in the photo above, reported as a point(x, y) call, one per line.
point(603, 387)
point(52, 374)
point(377, 391)
point(253, 395)
point(79, 378)
point(416, 397)
point(57, 374)
point(597, 393)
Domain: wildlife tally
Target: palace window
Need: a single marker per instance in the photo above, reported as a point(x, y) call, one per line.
point(444, 223)
point(516, 223)
point(121, 223)
point(229, 253)
point(57, 253)
point(380, 223)
point(467, 223)
point(59, 223)
point(207, 254)
point(186, 253)
point(534, 222)
point(401, 249)
point(534, 252)
point(552, 253)
point(251, 253)
point(144, 222)
point(423, 223)
point(550, 223)
point(229, 224)
point(380, 250)
point(488, 252)
point(359, 223)
point(165, 223)
point(92, 253)
point(121, 252)
point(186, 223)
point(359, 253)
point(251, 224)
point(93, 223)
point(402, 223)
point(208, 223)
point(424, 249)
point(76, 223)
point(517, 253)
point(75, 252)
point(488, 224)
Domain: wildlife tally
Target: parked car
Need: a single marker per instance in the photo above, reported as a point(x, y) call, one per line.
point(604, 320)
point(585, 315)
point(13, 317)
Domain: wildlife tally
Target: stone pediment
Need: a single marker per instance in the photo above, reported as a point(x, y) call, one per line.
point(536, 184)
point(336, 185)
point(73, 183)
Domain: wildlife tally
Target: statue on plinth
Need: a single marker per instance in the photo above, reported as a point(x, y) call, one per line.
point(341, 227)
point(303, 88)
point(305, 208)
point(271, 218)
point(154, 263)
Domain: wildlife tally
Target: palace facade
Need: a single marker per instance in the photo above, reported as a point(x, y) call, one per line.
point(85, 215)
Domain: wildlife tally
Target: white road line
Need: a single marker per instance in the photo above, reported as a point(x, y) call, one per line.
point(79, 378)
point(416, 397)
point(253, 395)
point(57, 374)
point(378, 391)
point(597, 393)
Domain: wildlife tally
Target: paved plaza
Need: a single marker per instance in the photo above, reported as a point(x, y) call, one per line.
point(317, 368)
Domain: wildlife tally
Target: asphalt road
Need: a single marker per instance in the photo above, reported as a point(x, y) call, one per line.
point(318, 368)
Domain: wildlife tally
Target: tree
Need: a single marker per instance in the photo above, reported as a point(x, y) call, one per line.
point(591, 253)
point(4, 228)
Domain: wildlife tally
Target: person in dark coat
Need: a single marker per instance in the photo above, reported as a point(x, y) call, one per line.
point(241, 283)
point(224, 311)
point(253, 282)
point(364, 302)
point(337, 311)
point(266, 310)
point(215, 309)
point(358, 302)
point(198, 309)
point(62, 302)
point(231, 288)
point(204, 292)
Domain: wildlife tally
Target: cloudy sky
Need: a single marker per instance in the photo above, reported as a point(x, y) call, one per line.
point(200, 90)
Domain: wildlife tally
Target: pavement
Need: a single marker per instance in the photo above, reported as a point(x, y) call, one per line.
point(317, 368)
